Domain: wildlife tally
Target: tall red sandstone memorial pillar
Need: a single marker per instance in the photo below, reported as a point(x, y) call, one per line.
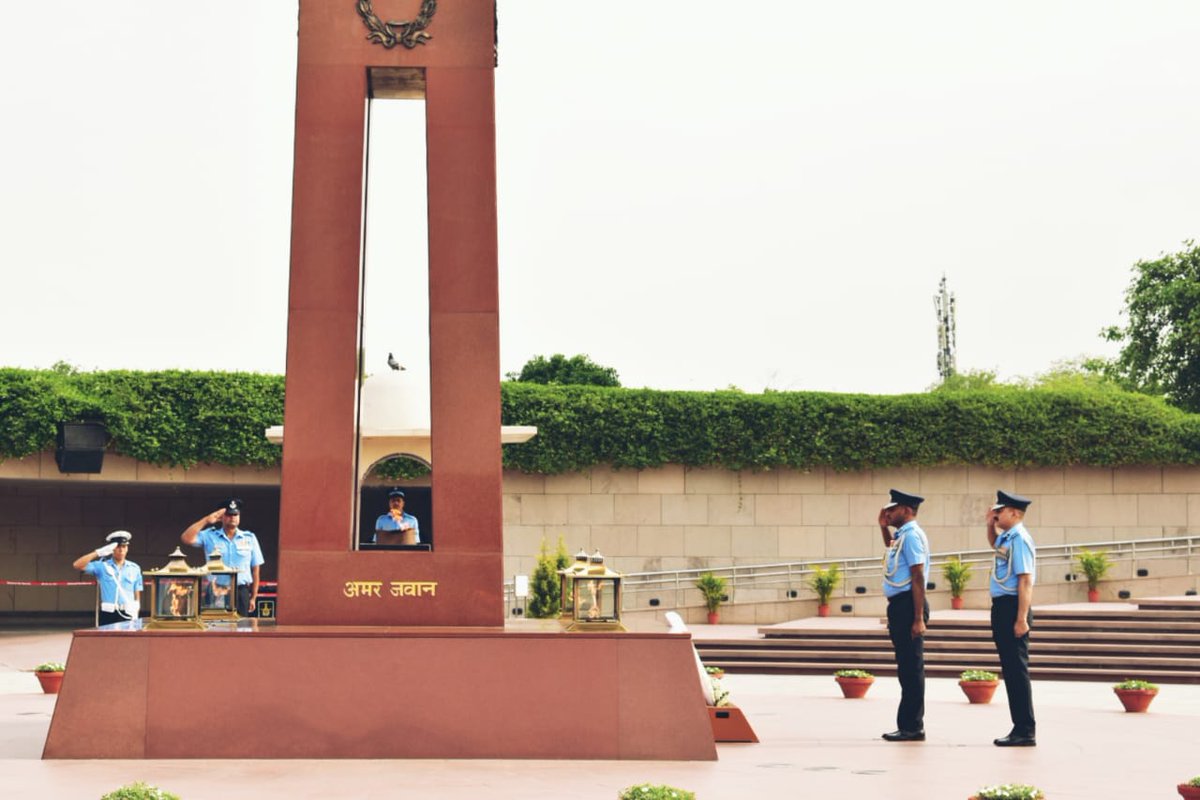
point(445, 51)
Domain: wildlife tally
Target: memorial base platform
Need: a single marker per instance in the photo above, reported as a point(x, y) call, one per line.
point(257, 690)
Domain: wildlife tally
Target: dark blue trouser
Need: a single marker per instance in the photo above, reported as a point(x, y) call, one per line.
point(910, 661)
point(1014, 662)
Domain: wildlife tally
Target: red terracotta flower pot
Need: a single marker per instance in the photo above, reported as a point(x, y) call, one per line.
point(1136, 700)
point(713, 618)
point(823, 611)
point(1188, 792)
point(1093, 595)
point(979, 691)
point(50, 681)
point(854, 688)
point(956, 603)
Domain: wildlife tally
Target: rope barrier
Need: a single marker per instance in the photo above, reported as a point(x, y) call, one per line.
point(262, 585)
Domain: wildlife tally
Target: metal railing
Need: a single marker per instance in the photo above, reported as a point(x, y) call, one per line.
point(788, 580)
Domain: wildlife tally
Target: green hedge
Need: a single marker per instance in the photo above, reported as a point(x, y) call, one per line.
point(581, 426)
point(182, 418)
point(172, 418)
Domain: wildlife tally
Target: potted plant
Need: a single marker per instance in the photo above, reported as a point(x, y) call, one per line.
point(655, 791)
point(715, 673)
point(854, 682)
point(1135, 695)
point(140, 791)
point(50, 675)
point(978, 685)
point(1191, 789)
point(713, 589)
point(823, 581)
point(1094, 564)
point(1009, 791)
point(958, 575)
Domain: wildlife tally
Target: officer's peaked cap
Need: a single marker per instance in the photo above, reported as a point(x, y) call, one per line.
point(1006, 500)
point(900, 498)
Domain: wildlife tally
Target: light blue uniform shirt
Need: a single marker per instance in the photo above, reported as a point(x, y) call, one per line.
point(909, 546)
point(241, 553)
point(387, 522)
point(1015, 555)
point(115, 581)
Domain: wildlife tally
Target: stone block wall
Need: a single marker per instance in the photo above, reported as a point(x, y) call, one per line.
point(678, 518)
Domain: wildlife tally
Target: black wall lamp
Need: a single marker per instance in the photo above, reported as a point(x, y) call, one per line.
point(80, 446)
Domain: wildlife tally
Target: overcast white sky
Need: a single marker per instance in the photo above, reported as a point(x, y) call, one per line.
point(696, 192)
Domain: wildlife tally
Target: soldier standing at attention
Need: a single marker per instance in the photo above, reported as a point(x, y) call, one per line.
point(1013, 574)
point(905, 567)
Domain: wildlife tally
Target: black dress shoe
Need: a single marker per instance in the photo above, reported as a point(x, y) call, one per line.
point(904, 736)
point(1016, 740)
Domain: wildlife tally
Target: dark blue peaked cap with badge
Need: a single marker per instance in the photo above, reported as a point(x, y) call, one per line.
point(234, 506)
point(1006, 500)
point(900, 498)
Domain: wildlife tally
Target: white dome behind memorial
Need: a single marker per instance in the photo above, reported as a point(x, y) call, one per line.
point(394, 401)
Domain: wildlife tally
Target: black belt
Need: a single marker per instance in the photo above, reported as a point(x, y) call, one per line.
point(905, 593)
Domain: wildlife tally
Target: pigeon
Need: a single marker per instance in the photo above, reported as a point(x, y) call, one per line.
point(393, 363)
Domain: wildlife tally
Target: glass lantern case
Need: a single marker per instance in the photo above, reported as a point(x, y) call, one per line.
point(218, 590)
point(566, 579)
point(596, 598)
point(175, 595)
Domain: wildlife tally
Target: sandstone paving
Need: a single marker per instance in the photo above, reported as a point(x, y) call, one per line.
point(814, 744)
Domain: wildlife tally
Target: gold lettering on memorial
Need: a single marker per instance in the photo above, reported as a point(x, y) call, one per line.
point(363, 589)
point(395, 588)
point(413, 588)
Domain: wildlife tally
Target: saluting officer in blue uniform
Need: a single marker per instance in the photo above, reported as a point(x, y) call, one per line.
point(119, 579)
point(239, 549)
point(1013, 575)
point(905, 567)
point(396, 520)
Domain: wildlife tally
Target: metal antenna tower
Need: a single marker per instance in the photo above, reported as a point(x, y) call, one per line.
point(943, 303)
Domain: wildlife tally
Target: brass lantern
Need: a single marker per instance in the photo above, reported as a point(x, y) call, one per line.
point(218, 589)
point(596, 597)
point(566, 579)
point(175, 595)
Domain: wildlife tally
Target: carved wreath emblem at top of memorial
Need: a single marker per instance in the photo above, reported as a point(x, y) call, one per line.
point(409, 33)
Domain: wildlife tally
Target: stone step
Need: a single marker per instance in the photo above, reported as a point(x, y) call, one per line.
point(1148, 647)
point(1132, 662)
point(1040, 624)
point(985, 634)
point(1107, 674)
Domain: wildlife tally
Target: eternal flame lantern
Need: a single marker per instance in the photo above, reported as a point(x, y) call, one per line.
point(596, 597)
point(218, 589)
point(175, 595)
point(566, 579)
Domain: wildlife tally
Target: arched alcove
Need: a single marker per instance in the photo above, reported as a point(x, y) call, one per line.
point(412, 474)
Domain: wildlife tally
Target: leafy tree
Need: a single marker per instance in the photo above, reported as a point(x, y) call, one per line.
point(562, 559)
point(1161, 344)
point(968, 381)
point(577, 370)
point(1087, 373)
point(544, 586)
